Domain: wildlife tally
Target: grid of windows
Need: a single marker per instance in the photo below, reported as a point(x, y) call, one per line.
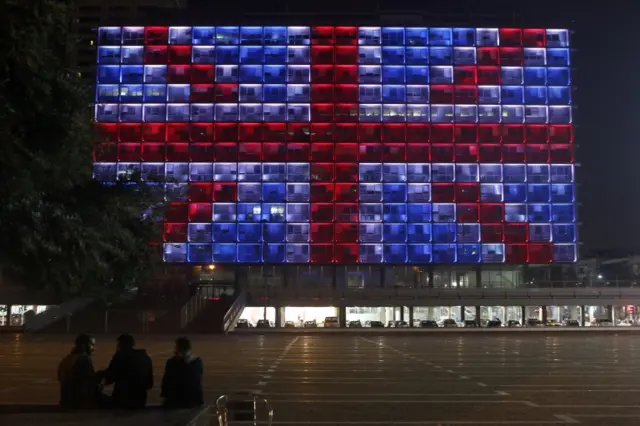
point(345, 144)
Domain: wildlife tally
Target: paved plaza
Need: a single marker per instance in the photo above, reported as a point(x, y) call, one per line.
point(365, 379)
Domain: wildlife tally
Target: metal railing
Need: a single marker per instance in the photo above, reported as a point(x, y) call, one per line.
point(192, 308)
point(234, 311)
point(243, 407)
point(56, 313)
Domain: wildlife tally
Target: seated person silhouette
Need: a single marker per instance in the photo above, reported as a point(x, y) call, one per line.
point(182, 381)
point(79, 384)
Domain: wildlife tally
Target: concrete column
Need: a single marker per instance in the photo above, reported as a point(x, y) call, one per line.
point(610, 313)
point(543, 309)
point(523, 314)
point(462, 313)
point(583, 315)
point(410, 316)
point(478, 315)
point(279, 312)
point(478, 277)
point(342, 316)
point(401, 313)
point(430, 276)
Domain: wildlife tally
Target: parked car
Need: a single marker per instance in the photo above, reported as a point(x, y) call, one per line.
point(428, 324)
point(513, 323)
point(449, 323)
point(331, 322)
point(553, 323)
point(533, 322)
point(376, 324)
point(494, 323)
point(626, 323)
point(571, 323)
point(601, 322)
point(244, 323)
point(401, 324)
point(289, 324)
point(311, 324)
point(355, 324)
point(471, 324)
point(263, 323)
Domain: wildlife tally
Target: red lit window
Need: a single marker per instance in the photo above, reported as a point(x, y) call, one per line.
point(177, 152)
point(346, 55)
point(274, 152)
point(516, 232)
point(467, 213)
point(441, 94)
point(250, 132)
point(465, 75)
point(347, 112)
point(346, 93)
point(321, 131)
point(346, 152)
point(322, 35)
point(103, 152)
point(322, 93)
point(322, 55)
point(466, 133)
point(226, 93)
point(153, 152)
point(467, 192)
point(321, 253)
point(346, 192)
point(490, 153)
point(488, 75)
point(346, 253)
point(370, 132)
point(510, 37)
point(513, 133)
point(275, 132)
point(346, 232)
point(128, 152)
point(201, 212)
point(561, 153)
point(442, 192)
point(346, 74)
point(561, 134)
point(394, 152)
point(489, 133)
point(225, 151)
point(466, 94)
point(201, 192)
point(370, 152)
point(178, 132)
point(491, 233)
point(488, 56)
point(202, 74)
point(226, 132)
point(178, 73)
point(537, 133)
point(511, 56)
point(346, 172)
point(130, 132)
point(346, 132)
point(516, 253)
point(105, 132)
point(201, 152)
point(466, 153)
point(201, 132)
point(176, 212)
point(174, 232)
point(321, 232)
point(540, 253)
point(155, 55)
point(491, 213)
point(346, 35)
point(156, 35)
point(250, 151)
point(418, 152)
point(322, 212)
point(442, 133)
point(322, 73)
point(321, 192)
point(393, 132)
point(298, 132)
point(321, 151)
point(179, 54)
point(418, 132)
point(298, 152)
point(153, 132)
point(322, 172)
point(534, 37)
point(225, 192)
point(321, 112)
point(513, 153)
point(442, 153)
point(202, 93)
point(537, 153)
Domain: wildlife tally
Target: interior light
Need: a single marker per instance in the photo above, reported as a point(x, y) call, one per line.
point(211, 267)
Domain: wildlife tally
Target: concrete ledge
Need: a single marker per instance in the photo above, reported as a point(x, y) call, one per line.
point(459, 330)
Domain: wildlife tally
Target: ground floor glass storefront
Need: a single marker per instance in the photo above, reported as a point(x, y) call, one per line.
point(17, 315)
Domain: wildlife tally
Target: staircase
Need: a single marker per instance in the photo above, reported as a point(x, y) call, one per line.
point(219, 315)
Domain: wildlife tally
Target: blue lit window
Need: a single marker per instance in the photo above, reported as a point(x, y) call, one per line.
point(419, 253)
point(274, 212)
point(298, 192)
point(109, 55)
point(468, 253)
point(394, 172)
point(370, 93)
point(442, 172)
point(224, 212)
point(275, 92)
point(204, 35)
point(128, 74)
point(370, 253)
point(540, 232)
point(444, 212)
point(515, 173)
point(536, 114)
point(176, 192)
point(200, 172)
point(535, 76)
point(226, 73)
point(512, 75)
point(441, 74)
point(539, 212)
point(515, 192)
point(395, 192)
point(274, 253)
point(442, 113)
point(298, 172)
point(133, 93)
point(558, 57)
point(249, 172)
point(251, 35)
point(440, 37)
point(466, 173)
point(538, 193)
point(444, 232)
point(393, 55)
point(298, 112)
point(395, 253)
point(250, 253)
point(513, 114)
point(370, 172)
point(226, 112)
point(223, 252)
point(227, 35)
point(200, 232)
point(370, 212)
point(563, 213)
point(417, 55)
point(274, 112)
point(297, 212)
point(559, 95)
point(298, 93)
point(557, 38)
point(178, 172)
point(132, 113)
point(251, 55)
point(200, 253)
point(393, 36)
point(369, 35)
point(464, 55)
point(466, 114)
point(538, 173)
point(418, 113)
point(370, 192)
point(515, 212)
point(174, 253)
point(275, 35)
point(180, 35)
point(418, 94)
point(370, 112)
point(564, 252)
point(298, 74)
point(441, 56)
point(562, 173)
point(298, 54)
point(417, 75)
point(562, 193)
point(534, 56)
point(468, 232)
point(464, 36)
point(155, 93)
point(152, 172)
point(490, 172)
point(178, 92)
point(203, 54)
point(536, 95)
point(487, 36)
point(133, 35)
point(249, 112)
point(370, 232)
point(419, 232)
point(393, 74)
point(564, 232)
point(107, 93)
point(274, 232)
point(513, 95)
point(274, 192)
point(369, 74)
point(493, 253)
point(417, 36)
point(109, 35)
point(489, 114)
point(249, 191)
point(299, 35)
point(250, 73)
point(126, 170)
point(559, 114)
point(491, 192)
point(393, 112)
point(418, 193)
point(444, 253)
point(297, 232)
point(395, 232)
point(225, 172)
point(369, 55)
point(275, 54)
point(250, 93)
point(105, 172)
point(489, 94)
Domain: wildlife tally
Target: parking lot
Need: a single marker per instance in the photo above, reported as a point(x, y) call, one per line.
point(374, 379)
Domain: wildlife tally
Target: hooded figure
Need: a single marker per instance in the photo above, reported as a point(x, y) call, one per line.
point(79, 384)
point(182, 381)
point(131, 373)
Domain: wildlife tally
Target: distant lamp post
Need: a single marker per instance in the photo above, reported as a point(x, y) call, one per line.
point(211, 267)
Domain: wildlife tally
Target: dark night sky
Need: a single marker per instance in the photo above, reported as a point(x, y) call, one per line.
point(606, 77)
